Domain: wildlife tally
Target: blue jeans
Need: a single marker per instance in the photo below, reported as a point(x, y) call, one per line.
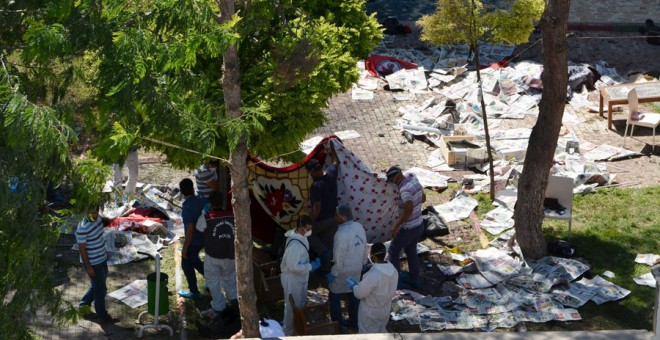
point(97, 290)
point(189, 265)
point(335, 308)
point(406, 239)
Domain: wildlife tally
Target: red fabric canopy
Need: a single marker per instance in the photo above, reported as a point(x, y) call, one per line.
point(381, 65)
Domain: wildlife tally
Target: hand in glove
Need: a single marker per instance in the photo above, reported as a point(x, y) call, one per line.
point(330, 277)
point(316, 264)
point(351, 282)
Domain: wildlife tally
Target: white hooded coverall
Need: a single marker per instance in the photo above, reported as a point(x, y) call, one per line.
point(375, 292)
point(295, 269)
point(350, 253)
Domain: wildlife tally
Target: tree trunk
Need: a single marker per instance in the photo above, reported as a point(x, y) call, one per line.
point(231, 85)
point(528, 214)
point(475, 48)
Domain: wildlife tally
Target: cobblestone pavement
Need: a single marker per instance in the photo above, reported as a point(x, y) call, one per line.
point(382, 145)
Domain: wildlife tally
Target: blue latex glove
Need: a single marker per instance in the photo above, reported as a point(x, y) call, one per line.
point(330, 277)
point(316, 264)
point(351, 282)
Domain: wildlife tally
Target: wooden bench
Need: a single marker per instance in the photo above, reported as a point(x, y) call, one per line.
point(266, 273)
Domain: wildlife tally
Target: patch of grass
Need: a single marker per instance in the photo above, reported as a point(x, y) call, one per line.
point(610, 227)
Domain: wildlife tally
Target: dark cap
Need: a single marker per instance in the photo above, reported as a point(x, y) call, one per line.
point(313, 165)
point(392, 172)
point(304, 221)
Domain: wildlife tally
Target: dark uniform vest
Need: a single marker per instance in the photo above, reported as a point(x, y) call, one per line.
point(219, 235)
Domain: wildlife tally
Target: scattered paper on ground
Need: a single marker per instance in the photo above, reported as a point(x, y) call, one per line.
point(646, 280)
point(504, 290)
point(429, 178)
point(458, 208)
point(647, 259)
point(347, 134)
point(134, 294)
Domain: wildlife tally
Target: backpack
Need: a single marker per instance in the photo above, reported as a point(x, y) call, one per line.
point(561, 248)
point(434, 224)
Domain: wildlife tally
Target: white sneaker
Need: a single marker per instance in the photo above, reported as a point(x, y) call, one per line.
point(210, 313)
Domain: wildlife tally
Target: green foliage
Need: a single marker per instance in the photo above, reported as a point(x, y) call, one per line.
point(513, 26)
point(116, 146)
point(162, 73)
point(458, 21)
point(40, 41)
point(87, 179)
point(34, 148)
point(118, 71)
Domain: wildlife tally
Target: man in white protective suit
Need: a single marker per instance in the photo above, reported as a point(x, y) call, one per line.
point(295, 269)
point(375, 292)
point(350, 254)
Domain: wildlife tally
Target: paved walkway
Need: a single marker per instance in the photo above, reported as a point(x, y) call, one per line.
point(382, 145)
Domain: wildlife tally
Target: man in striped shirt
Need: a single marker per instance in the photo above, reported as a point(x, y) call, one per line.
point(206, 178)
point(408, 229)
point(94, 258)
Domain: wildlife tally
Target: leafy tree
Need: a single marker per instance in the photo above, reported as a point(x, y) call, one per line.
point(227, 76)
point(471, 22)
point(34, 152)
point(219, 77)
point(39, 64)
point(528, 215)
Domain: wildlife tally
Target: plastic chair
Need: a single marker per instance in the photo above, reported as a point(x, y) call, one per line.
point(561, 188)
point(304, 327)
point(650, 120)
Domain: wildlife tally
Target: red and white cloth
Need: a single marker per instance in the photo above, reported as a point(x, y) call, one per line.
point(283, 193)
point(373, 200)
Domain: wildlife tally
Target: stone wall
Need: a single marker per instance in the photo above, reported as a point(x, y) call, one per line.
point(614, 12)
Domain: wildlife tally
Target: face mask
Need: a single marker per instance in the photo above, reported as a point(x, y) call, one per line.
point(372, 262)
point(308, 233)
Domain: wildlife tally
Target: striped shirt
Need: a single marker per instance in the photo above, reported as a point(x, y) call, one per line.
point(411, 190)
point(204, 175)
point(91, 234)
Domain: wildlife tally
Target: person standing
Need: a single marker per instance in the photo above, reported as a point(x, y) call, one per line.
point(323, 199)
point(94, 257)
point(132, 163)
point(408, 228)
point(206, 178)
point(219, 265)
point(375, 292)
point(194, 240)
point(295, 269)
point(350, 254)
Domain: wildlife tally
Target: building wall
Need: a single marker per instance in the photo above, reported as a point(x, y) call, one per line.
point(627, 12)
